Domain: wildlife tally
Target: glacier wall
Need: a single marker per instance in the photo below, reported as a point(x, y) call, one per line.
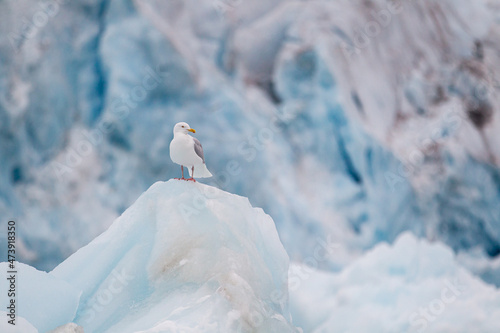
point(347, 121)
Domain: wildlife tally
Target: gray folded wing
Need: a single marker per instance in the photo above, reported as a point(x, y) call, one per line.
point(198, 149)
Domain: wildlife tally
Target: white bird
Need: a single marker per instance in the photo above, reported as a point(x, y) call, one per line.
point(187, 152)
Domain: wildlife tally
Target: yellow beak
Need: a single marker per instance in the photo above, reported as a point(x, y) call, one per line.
point(192, 130)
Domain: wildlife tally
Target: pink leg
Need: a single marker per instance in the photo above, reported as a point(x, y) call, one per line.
point(192, 173)
point(182, 170)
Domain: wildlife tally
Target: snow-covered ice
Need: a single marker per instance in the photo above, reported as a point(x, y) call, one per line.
point(185, 257)
point(411, 286)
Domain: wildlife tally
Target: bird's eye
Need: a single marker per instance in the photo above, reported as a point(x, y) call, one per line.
point(183, 126)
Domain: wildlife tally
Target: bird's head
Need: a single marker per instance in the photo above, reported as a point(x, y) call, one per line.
point(183, 127)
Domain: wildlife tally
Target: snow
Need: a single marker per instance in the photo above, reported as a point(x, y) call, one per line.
point(185, 256)
point(411, 286)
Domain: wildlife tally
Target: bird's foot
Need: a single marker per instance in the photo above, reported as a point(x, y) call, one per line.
point(191, 179)
point(180, 178)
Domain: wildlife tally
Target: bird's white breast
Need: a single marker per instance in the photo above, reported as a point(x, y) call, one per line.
point(182, 150)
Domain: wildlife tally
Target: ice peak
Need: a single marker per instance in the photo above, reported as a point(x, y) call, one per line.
point(187, 253)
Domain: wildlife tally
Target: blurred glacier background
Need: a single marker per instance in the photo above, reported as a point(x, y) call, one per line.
point(349, 122)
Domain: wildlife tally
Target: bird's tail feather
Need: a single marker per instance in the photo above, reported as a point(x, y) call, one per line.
point(200, 171)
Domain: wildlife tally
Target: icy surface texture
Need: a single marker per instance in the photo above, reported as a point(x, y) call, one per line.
point(22, 325)
point(412, 286)
point(185, 257)
point(68, 328)
point(43, 302)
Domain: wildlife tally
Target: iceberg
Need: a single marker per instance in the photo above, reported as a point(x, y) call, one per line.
point(410, 286)
point(185, 257)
